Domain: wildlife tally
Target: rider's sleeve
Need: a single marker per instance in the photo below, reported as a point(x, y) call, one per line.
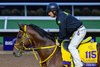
point(62, 30)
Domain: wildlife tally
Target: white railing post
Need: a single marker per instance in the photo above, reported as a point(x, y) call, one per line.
point(5, 23)
point(25, 10)
point(73, 10)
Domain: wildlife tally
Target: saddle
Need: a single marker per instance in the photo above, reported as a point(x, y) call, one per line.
point(88, 39)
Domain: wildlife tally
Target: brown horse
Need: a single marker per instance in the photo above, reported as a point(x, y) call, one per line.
point(49, 53)
point(43, 43)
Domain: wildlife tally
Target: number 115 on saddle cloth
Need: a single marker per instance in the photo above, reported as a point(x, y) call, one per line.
point(88, 54)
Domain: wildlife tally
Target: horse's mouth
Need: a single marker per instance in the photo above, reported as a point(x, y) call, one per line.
point(17, 53)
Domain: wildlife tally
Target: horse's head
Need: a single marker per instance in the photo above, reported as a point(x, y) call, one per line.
point(23, 40)
point(31, 35)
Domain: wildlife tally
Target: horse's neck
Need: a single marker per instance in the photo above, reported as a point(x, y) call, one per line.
point(44, 53)
point(38, 39)
point(42, 41)
point(45, 43)
point(49, 42)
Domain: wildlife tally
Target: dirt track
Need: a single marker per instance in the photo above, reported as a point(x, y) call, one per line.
point(8, 60)
point(11, 61)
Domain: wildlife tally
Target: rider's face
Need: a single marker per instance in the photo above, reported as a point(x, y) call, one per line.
point(51, 14)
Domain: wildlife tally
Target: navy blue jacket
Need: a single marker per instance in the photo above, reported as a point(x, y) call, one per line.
point(67, 25)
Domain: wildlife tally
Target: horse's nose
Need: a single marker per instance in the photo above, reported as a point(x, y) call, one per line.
point(17, 53)
point(14, 53)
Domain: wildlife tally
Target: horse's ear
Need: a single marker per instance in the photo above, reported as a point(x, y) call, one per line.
point(20, 26)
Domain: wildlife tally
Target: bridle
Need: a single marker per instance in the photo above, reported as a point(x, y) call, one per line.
point(39, 48)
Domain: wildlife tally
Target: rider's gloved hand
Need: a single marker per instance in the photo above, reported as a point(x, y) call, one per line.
point(57, 43)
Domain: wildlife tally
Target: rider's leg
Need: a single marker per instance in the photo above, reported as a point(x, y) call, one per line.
point(77, 38)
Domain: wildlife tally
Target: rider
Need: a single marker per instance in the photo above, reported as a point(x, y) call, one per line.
point(68, 26)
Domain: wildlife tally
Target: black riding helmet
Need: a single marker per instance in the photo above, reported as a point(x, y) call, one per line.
point(52, 7)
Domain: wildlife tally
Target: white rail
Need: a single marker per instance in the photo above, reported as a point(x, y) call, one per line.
point(46, 3)
point(45, 17)
point(48, 30)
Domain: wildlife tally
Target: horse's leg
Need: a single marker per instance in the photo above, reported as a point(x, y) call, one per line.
point(98, 48)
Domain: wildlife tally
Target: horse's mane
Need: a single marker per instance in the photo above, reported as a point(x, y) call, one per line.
point(42, 32)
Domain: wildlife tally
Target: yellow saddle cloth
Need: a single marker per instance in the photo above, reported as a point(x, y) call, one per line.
point(88, 54)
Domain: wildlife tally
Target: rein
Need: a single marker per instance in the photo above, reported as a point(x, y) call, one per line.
point(39, 48)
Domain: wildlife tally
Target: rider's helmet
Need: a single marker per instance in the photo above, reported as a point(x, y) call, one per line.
point(52, 7)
